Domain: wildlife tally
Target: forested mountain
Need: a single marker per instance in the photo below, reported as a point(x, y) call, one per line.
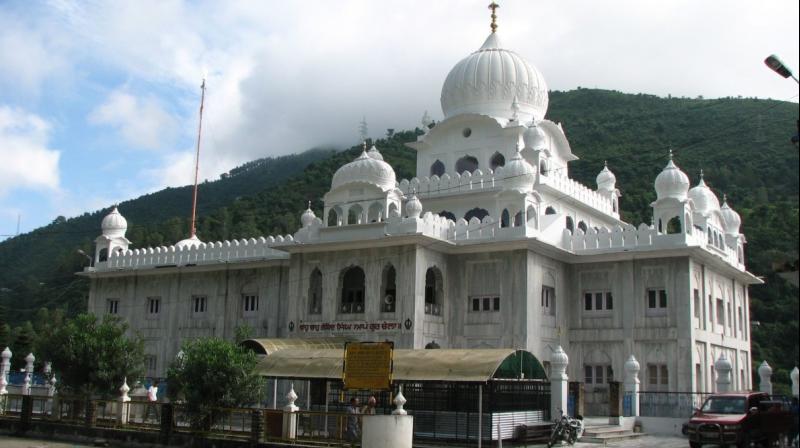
point(741, 143)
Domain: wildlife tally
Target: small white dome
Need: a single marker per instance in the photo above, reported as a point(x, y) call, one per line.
point(489, 80)
point(606, 180)
point(114, 224)
point(671, 182)
point(534, 137)
point(731, 220)
point(705, 201)
point(308, 216)
point(367, 168)
point(413, 207)
point(192, 241)
point(517, 174)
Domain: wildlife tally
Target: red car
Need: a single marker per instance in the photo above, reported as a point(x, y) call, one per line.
point(741, 419)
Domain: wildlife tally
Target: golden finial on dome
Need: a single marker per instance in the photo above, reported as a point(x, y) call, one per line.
point(493, 6)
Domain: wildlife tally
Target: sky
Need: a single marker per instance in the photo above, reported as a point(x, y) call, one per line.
point(99, 99)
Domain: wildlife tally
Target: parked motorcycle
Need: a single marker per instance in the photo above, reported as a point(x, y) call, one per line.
point(566, 429)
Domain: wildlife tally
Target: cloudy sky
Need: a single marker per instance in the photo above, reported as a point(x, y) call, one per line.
point(98, 100)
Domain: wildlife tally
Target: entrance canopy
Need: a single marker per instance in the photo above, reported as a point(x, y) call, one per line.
point(452, 365)
point(268, 346)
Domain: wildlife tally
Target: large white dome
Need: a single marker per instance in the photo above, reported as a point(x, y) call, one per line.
point(671, 182)
point(705, 201)
point(367, 168)
point(114, 224)
point(489, 80)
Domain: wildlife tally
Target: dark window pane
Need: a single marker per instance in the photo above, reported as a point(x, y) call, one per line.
point(609, 301)
point(587, 301)
point(476, 304)
point(598, 301)
point(486, 304)
point(662, 298)
point(587, 373)
point(651, 298)
point(598, 375)
point(496, 304)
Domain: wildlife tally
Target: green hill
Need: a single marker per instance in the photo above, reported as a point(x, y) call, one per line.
point(741, 143)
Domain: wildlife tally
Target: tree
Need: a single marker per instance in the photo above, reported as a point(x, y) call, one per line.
point(92, 356)
point(24, 343)
point(213, 373)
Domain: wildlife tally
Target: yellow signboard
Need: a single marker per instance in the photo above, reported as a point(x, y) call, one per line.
point(368, 365)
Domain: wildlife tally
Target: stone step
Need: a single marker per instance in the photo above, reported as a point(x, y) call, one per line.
point(609, 436)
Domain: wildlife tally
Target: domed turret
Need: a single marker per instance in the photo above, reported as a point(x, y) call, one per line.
point(114, 224)
point(517, 174)
point(413, 207)
point(490, 80)
point(606, 180)
point(705, 201)
point(731, 220)
point(192, 241)
point(533, 137)
point(671, 182)
point(367, 168)
point(308, 216)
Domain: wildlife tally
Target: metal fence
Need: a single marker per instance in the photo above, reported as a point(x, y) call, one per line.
point(670, 404)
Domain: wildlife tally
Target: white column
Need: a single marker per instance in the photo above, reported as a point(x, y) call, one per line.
point(290, 415)
point(723, 368)
point(4, 367)
point(632, 384)
point(26, 388)
point(765, 374)
point(124, 407)
point(558, 382)
point(795, 382)
point(400, 401)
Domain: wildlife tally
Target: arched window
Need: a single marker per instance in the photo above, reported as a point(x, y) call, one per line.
point(434, 291)
point(543, 168)
point(582, 226)
point(532, 216)
point(497, 161)
point(315, 292)
point(710, 237)
point(393, 211)
point(674, 225)
point(448, 215)
point(352, 290)
point(375, 213)
point(476, 213)
point(437, 168)
point(505, 218)
point(518, 219)
point(354, 214)
point(466, 163)
point(549, 211)
point(103, 255)
point(333, 218)
point(570, 224)
point(389, 289)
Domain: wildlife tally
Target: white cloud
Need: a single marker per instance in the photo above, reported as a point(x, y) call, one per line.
point(27, 161)
point(142, 122)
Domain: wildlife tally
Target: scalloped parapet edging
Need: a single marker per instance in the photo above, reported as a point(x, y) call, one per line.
point(579, 191)
point(213, 252)
point(448, 184)
point(627, 236)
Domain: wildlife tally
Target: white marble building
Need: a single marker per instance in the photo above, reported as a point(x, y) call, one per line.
point(490, 245)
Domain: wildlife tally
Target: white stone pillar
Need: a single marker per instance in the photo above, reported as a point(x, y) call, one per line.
point(632, 384)
point(26, 388)
point(765, 374)
point(290, 415)
point(123, 410)
point(5, 365)
point(795, 382)
point(400, 401)
point(558, 382)
point(723, 368)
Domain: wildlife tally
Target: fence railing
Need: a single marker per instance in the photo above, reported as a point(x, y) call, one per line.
point(670, 404)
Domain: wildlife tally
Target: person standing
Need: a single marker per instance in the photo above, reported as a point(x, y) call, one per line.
point(353, 416)
point(152, 402)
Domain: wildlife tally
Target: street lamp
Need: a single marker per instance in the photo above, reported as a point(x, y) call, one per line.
point(81, 252)
point(778, 67)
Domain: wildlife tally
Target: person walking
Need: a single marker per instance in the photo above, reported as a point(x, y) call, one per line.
point(353, 416)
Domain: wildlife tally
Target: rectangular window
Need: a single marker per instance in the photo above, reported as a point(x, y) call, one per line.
point(720, 312)
point(496, 304)
point(112, 306)
point(153, 306)
point(588, 374)
point(249, 303)
point(598, 301)
point(657, 376)
point(150, 363)
point(662, 298)
point(548, 300)
point(476, 304)
point(651, 298)
point(598, 373)
point(485, 304)
point(198, 304)
point(656, 301)
point(697, 303)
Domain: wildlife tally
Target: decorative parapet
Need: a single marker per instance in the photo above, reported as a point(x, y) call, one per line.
point(447, 184)
point(578, 191)
point(204, 253)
